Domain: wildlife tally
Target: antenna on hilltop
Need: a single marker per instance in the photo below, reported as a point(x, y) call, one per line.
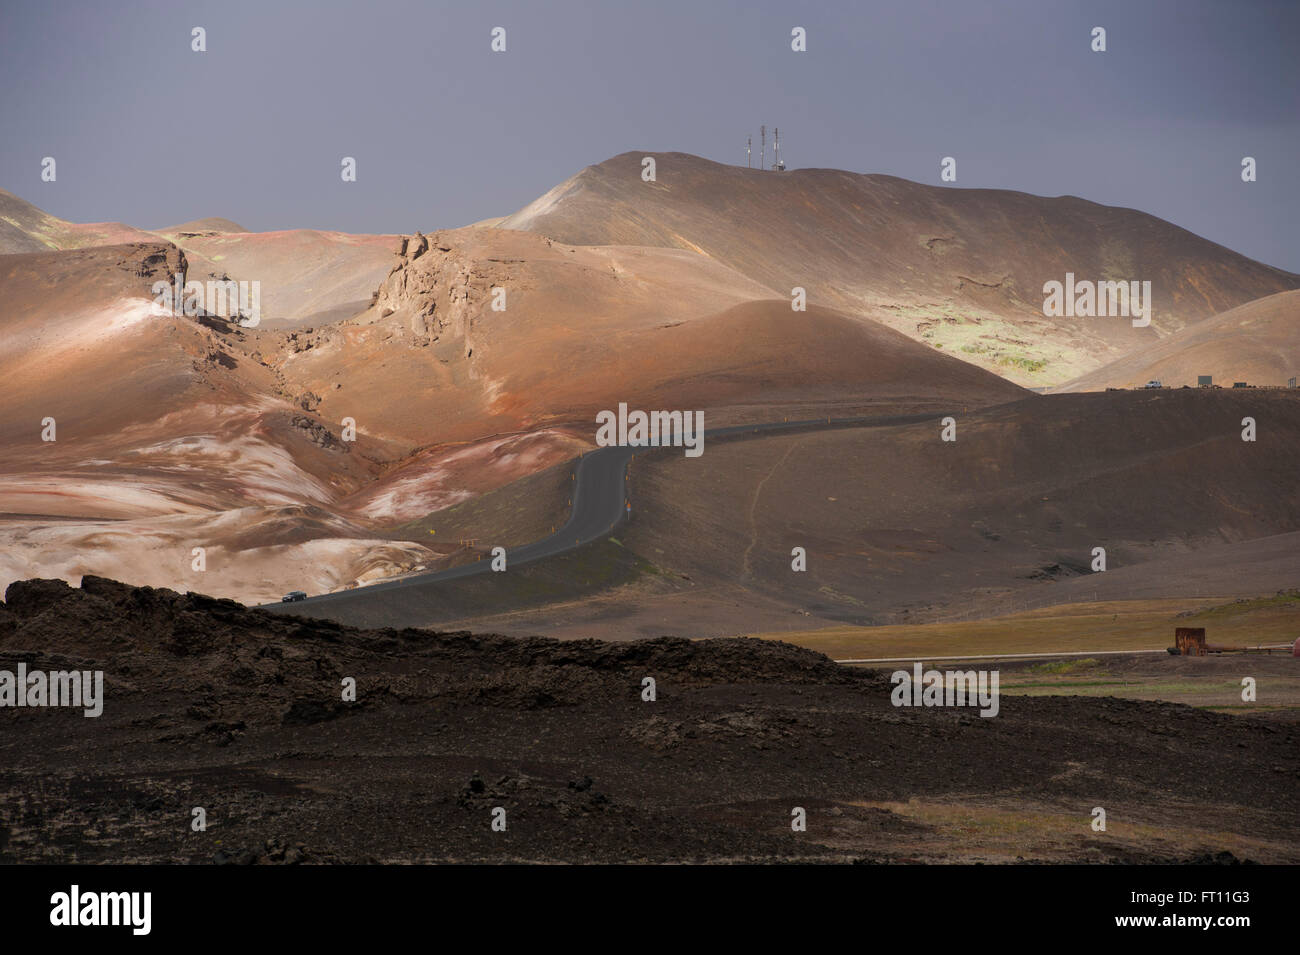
point(749, 151)
point(776, 150)
point(762, 149)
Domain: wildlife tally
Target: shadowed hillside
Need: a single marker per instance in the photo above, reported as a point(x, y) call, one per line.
point(900, 526)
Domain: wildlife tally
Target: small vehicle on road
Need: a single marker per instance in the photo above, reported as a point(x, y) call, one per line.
point(1153, 383)
point(293, 596)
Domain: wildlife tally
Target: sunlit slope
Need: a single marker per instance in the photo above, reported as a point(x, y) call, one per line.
point(1258, 343)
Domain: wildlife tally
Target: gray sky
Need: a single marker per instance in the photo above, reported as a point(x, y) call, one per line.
point(446, 132)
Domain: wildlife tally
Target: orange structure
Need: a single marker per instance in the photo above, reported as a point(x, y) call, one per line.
point(1190, 641)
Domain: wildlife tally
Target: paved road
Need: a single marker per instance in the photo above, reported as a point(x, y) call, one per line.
point(599, 499)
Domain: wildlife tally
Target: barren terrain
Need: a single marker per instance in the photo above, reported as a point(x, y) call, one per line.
point(407, 399)
point(212, 705)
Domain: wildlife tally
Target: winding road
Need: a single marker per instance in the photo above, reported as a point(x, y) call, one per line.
point(599, 502)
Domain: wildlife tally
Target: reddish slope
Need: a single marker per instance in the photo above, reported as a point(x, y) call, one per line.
point(586, 328)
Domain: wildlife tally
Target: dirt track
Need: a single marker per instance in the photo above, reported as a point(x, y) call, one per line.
point(211, 704)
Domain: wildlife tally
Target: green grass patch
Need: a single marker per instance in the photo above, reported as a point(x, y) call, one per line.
point(1062, 666)
point(1024, 364)
point(1067, 683)
point(1288, 600)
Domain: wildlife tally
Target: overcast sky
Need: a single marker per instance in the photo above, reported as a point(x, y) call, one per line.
point(446, 132)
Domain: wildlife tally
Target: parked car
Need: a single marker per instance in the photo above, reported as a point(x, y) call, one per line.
point(293, 596)
point(1153, 383)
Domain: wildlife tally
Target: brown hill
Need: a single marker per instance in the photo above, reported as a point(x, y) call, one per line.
point(1010, 511)
point(25, 228)
point(195, 226)
point(182, 430)
point(585, 328)
point(170, 434)
point(70, 317)
point(176, 432)
point(1258, 343)
point(306, 275)
point(963, 269)
point(192, 431)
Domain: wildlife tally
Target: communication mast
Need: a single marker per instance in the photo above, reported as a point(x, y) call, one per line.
point(762, 149)
point(776, 150)
point(749, 151)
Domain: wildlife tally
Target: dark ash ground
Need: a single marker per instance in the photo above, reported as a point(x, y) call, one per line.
point(211, 704)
